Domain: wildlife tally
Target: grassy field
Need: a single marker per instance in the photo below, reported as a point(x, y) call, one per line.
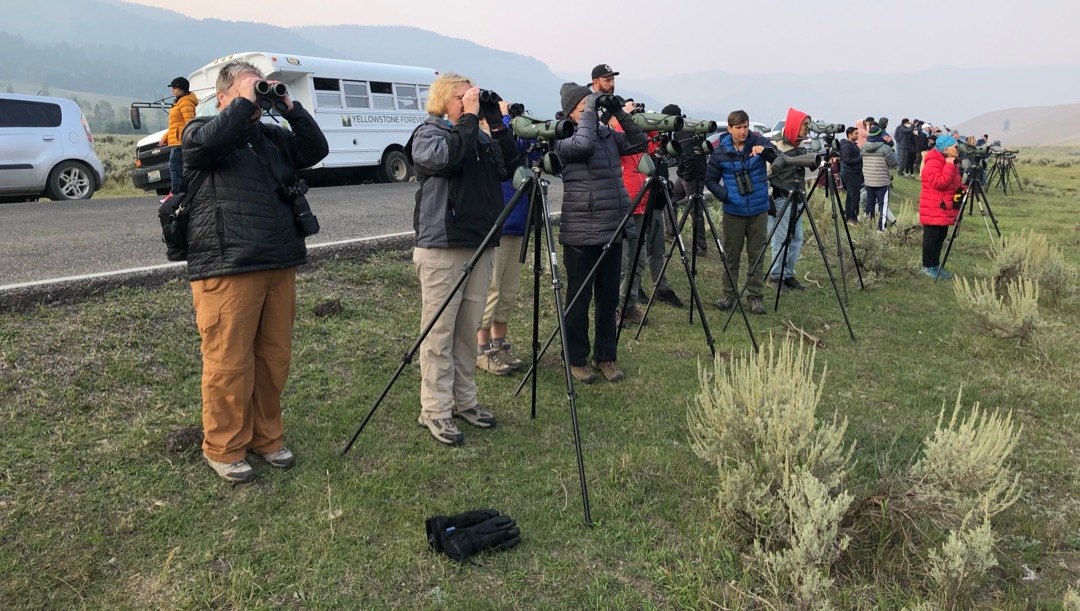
point(96, 512)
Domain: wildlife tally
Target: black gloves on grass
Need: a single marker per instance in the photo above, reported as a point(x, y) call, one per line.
point(466, 534)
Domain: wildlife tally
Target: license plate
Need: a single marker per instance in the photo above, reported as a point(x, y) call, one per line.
point(154, 176)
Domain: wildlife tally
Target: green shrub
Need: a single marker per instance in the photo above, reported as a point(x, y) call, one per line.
point(1013, 314)
point(1031, 255)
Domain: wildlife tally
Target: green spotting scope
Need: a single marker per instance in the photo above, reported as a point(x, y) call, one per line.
point(655, 122)
point(526, 128)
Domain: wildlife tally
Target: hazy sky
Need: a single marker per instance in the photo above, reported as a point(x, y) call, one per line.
point(647, 39)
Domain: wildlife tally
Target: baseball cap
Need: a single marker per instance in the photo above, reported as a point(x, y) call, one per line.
point(603, 70)
point(180, 83)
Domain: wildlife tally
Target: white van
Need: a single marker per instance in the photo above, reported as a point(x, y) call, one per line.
point(367, 112)
point(46, 150)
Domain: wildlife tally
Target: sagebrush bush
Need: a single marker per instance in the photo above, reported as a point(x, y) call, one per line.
point(963, 468)
point(782, 475)
point(1029, 254)
point(962, 561)
point(1014, 313)
point(1071, 599)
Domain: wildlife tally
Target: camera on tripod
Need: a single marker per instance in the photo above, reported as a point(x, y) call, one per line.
point(545, 132)
point(978, 152)
point(821, 127)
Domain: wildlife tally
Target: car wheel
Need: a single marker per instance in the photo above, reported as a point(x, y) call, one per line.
point(395, 167)
point(70, 180)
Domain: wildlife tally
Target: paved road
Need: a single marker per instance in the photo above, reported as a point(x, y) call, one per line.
point(43, 241)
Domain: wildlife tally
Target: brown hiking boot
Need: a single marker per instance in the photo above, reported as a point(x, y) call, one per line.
point(506, 353)
point(610, 369)
point(492, 362)
point(757, 306)
point(583, 374)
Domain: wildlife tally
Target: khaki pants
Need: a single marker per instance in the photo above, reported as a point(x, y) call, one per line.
point(505, 281)
point(245, 322)
point(448, 353)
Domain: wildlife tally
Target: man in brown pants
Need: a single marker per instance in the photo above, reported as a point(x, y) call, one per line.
point(244, 243)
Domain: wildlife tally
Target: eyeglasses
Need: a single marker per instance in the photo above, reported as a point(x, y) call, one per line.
point(458, 97)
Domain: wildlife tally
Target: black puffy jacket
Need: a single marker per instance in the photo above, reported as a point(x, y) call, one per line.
point(238, 223)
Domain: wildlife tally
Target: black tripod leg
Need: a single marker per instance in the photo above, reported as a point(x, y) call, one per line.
point(466, 270)
point(533, 225)
point(632, 271)
point(727, 273)
point(828, 268)
point(756, 264)
point(571, 395)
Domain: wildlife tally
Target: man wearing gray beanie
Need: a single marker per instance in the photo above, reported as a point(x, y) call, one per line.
point(594, 203)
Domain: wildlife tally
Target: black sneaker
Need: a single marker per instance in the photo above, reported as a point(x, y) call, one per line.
point(477, 416)
point(757, 306)
point(442, 429)
point(794, 284)
point(669, 296)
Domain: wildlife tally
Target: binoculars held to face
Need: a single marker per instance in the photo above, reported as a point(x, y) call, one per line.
point(269, 96)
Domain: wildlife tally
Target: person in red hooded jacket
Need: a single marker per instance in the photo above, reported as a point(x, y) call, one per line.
point(938, 201)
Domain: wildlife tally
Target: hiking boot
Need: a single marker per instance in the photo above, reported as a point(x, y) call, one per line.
point(669, 296)
point(641, 296)
point(477, 416)
point(936, 272)
point(757, 306)
point(282, 459)
point(492, 362)
point(610, 369)
point(725, 303)
point(774, 282)
point(506, 353)
point(442, 429)
point(238, 472)
point(634, 315)
point(793, 284)
point(583, 373)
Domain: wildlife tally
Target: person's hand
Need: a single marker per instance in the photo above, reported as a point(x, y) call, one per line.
point(590, 100)
point(951, 160)
point(504, 107)
point(247, 86)
point(628, 107)
point(754, 152)
point(164, 139)
point(471, 101)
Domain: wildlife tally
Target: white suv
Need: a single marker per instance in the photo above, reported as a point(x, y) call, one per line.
point(46, 150)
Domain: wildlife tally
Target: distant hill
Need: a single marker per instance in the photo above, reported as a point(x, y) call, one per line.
point(112, 48)
point(1030, 126)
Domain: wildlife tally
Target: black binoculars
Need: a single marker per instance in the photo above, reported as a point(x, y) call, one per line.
point(744, 183)
point(488, 96)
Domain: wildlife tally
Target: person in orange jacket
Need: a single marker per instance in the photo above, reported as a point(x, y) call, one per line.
point(182, 111)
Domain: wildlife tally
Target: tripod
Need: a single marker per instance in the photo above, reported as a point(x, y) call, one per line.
point(1004, 171)
point(972, 194)
point(798, 197)
point(660, 187)
point(526, 180)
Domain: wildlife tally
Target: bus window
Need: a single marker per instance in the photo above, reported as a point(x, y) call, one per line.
point(423, 96)
point(406, 97)
point(327, 92)
point(382, 95)
point(356, 94)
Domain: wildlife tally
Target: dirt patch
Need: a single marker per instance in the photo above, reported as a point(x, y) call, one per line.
point(181, 440)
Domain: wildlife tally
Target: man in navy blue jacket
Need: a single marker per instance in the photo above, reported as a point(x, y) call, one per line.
point(738, 176)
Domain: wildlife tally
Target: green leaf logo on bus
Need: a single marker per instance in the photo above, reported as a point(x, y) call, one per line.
point(346, 121)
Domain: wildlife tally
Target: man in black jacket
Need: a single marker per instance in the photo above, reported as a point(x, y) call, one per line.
point(851, 174)
point(243, 249)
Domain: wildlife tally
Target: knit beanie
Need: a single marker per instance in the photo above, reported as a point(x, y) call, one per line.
point(944, 141)
point(672, 110)
point(874, 134)
point(569, 96)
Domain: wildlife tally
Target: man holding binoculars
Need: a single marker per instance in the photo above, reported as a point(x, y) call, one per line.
point(244, 244)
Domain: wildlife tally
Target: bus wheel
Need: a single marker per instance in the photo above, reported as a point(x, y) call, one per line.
point(395, 167)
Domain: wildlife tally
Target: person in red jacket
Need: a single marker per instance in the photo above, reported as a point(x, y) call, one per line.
point(938, 201)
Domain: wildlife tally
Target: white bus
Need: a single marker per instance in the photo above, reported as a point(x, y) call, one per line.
point(367, 112)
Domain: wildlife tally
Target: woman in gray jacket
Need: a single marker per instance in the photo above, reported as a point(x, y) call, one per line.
point(594, 203)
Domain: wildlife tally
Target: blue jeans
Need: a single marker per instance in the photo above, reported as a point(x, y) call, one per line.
point(176, 169)
point(778, 237)
point(877, 204)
